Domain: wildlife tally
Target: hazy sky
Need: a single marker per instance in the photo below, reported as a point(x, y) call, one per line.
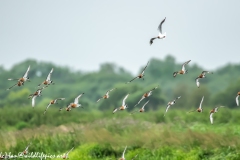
point(83, 34)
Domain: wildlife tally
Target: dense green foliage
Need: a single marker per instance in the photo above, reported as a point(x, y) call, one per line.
point(96, 133)
point(219, 88)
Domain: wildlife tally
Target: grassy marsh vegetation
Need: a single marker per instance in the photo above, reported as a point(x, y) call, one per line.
point(99, 135)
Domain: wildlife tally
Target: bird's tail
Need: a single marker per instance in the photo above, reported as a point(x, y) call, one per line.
point(164, 34)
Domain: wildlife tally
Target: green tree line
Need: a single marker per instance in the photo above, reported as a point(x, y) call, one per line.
point(219, 88)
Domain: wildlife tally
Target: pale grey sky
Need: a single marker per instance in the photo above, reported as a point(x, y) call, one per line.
point(83, 34)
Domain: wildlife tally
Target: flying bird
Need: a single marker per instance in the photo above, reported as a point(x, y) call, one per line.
point(48, 80)
point(19, 83)
point(238, 94)
point(21, 80)
point(35, 95)
point(52, 102)
point(171, 103)
point(147, 94)
point(183, 71)
point(124, 105)
point(160, 35)
point(65, 156)
point(106, 96)
point(26, 150)
point(214, 110)
point(202, 75)
point(141, 75)
point(134, 157)
point(142, 109)
point(123, 158)
point(75, 104)
point(200, 106)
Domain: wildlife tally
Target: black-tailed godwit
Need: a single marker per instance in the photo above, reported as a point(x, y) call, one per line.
point(65, 156)
point(202, 75)
point(20, 80)
point(52, 102)
point(214, 110)
point(183, 71)
point(26, 150)
point(36, 94)
point(106, 96)
point(142, 109)
point(170, 104)
point(124, 105)
point(123, 154)
point(48, 80)
point(75, 104)
point(200, 107)
point(141, 75)
point(147, 94)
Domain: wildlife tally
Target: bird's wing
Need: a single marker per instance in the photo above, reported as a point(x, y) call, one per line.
point(160, 25)
point(134, 112)
point(135, 105)
point(76, 99)
point(204, 72)
point(110, 90)
point(141, 99)
point(115, 110)
point(49, 75)
point(145, 104)
point(191, 111)
point(12, 86)
point(154, 88)
point(26, 73)
point(211, 118)
point(175, 74)
point(177, 98)
point(167, 109)
point(145, 67)
point(124, 152)
point(42, 88)
point(40, 84)
point(26, 149)
point(197, 82)
point(47, 108)
point(99, 99)
point(215, 109)
point(33, 101)
point(11, 79)
point(134, 157)
point(69, 151)
point(59, 99)
point(237, 100)
point(151, 40)
point(183, 66)
point(200, 106)
point(133, 79)
point(123, 102)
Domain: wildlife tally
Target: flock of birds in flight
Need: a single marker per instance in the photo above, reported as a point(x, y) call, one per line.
point(75, 103)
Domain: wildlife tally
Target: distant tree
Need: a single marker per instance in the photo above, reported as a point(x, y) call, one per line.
point(228, 96)
point(18, 98)
point(108, 68)
point(69, 83)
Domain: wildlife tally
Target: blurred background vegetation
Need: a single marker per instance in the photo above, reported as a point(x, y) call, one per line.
point(101, 135)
